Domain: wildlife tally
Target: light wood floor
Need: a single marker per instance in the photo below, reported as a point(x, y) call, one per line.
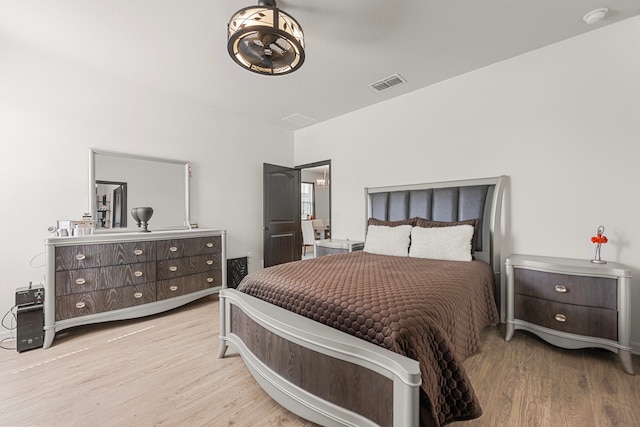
point(162, 370)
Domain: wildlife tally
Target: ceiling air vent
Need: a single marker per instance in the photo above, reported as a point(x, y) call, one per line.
point(387, 82)
point(298, 120)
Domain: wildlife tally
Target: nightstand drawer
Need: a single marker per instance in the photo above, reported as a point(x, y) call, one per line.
point(577, 290)
point(575, 319)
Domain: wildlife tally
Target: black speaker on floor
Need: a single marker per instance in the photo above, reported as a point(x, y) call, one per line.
point(30, 325)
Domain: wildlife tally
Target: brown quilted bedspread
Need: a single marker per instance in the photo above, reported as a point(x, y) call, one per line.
point(429, 310)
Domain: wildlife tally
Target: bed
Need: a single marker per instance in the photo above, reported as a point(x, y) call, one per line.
point(333, 340)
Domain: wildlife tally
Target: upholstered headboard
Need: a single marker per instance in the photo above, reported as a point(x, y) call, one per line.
point(450, 201)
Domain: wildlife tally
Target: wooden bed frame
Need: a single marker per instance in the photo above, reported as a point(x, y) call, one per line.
point(330, 377)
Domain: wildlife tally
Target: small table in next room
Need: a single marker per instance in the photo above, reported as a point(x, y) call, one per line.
point(571, 303)
point(336, 246)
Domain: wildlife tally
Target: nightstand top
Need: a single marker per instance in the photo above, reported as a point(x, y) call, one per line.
point(338, 243)
point(568, 265)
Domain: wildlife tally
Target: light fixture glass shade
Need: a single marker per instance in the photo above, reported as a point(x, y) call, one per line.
point(323, 182)
point(265, 40)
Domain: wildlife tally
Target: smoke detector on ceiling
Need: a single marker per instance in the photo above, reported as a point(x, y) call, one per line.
point(387, 83)
point(595, 15)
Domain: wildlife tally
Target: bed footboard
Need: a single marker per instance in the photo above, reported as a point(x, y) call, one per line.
point(317, 372)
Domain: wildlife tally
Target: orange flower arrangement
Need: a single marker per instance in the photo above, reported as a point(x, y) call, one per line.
point(599, 239)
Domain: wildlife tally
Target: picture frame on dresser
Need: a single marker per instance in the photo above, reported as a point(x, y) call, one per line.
point(117, 276)
point(571, 303)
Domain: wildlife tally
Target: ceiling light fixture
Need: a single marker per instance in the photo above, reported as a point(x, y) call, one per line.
point(265, 40)
point(323, 182)
point(595, 15)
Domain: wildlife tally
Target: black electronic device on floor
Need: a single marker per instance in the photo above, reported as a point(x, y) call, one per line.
point(29, 295)
point(29, 318)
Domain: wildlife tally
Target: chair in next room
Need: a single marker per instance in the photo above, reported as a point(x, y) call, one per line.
point(308, 236)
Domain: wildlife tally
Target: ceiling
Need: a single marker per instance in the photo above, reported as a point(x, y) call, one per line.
point(180, 46)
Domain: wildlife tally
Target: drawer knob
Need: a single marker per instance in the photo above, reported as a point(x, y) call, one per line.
point(80, 281)
point(173, 249)
point(209, 262)
point(138, 273)
point(80, 304)
point(561, 318)
point(173, 288)
point(80, 257)
point(209, 245)
point(137, 295)
point(173, 268)
point(561, 289)
point(210, 279)
point(138, 252)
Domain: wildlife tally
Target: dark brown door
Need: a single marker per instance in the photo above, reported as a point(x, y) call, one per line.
point(282, 228)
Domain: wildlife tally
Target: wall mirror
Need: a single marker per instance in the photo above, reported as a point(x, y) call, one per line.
point(121, 181)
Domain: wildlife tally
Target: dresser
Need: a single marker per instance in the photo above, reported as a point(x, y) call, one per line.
point(336, 246)
point(115, 276)
point(571, 303)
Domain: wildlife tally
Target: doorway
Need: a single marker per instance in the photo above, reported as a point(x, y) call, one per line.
point(111, 200)
point(316, 196)
point(282, 208)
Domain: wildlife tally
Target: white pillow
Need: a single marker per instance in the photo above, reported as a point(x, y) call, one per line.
point(383, 240)
point(448, 243)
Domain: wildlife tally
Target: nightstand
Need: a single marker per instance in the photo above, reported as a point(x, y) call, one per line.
point(571, 303)
point(336, 246)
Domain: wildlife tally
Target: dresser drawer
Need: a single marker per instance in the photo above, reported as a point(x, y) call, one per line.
point(575, 319)
point(168, 269)
point(86, 256)
point(578, 290)
point(179, 248)
point(94, 279)
point(187, 284)
point(82, 304)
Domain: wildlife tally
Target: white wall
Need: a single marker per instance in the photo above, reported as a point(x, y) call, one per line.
point(563, 122)
point(51, 112)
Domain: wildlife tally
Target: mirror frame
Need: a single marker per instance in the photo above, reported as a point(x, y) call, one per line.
point(93, 152)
